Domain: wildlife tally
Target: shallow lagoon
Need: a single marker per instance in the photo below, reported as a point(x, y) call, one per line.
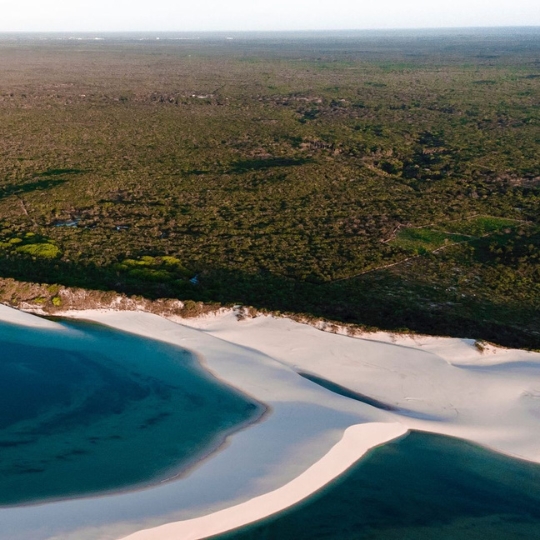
point(86, 409)
point(423, 486)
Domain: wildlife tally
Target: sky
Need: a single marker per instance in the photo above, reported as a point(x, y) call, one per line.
point(250, 15)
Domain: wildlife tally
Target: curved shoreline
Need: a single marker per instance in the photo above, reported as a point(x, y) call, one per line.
point(490, 397)
point(66, 334)
point(185, 468)
point(435, 380)
point(356, 441)
point(306, 421)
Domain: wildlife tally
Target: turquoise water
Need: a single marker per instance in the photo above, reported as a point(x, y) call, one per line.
point(421, 487)
point(97, 410)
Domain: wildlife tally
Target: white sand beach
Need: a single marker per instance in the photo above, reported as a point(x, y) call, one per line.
point(356, 441)
point(443, 385)
point(310, 435)
point(14, 316)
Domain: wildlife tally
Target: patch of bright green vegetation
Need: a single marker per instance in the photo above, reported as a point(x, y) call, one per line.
point(29, 244)
point(157, 269)
point(479, 226)
point(44, 251)
point(421, 241)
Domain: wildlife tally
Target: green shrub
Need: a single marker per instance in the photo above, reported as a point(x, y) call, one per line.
point(43, 251)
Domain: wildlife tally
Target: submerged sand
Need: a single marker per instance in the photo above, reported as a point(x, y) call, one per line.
point(311, 435)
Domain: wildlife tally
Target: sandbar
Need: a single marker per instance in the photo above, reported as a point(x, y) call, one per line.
point(310, 435)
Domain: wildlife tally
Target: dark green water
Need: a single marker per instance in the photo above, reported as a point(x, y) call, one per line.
point(102, 410)
point(421, 487)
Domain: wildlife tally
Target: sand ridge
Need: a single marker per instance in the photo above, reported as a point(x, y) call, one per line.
point(356, 441)
point(435, 384)
point(444, 385)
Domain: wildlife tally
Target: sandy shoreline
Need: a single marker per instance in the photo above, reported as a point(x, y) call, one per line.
point(356, 441)
point(311, 435)
point(442, 385)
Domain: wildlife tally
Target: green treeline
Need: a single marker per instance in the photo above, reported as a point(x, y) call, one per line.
point(290, 175)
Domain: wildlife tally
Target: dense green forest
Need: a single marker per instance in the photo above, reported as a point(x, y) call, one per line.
point(386, 179)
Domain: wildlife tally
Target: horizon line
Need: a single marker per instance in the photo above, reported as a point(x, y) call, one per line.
point(275, 31)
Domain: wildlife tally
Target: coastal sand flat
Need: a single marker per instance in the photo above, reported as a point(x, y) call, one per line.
point(443, 385)
point(356, 441)
point(303, 424)
point(14, 316)
point(435, 384)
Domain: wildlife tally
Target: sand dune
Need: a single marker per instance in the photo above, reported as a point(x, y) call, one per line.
point(443, 385)
point(356, 441)
point(311, 434)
